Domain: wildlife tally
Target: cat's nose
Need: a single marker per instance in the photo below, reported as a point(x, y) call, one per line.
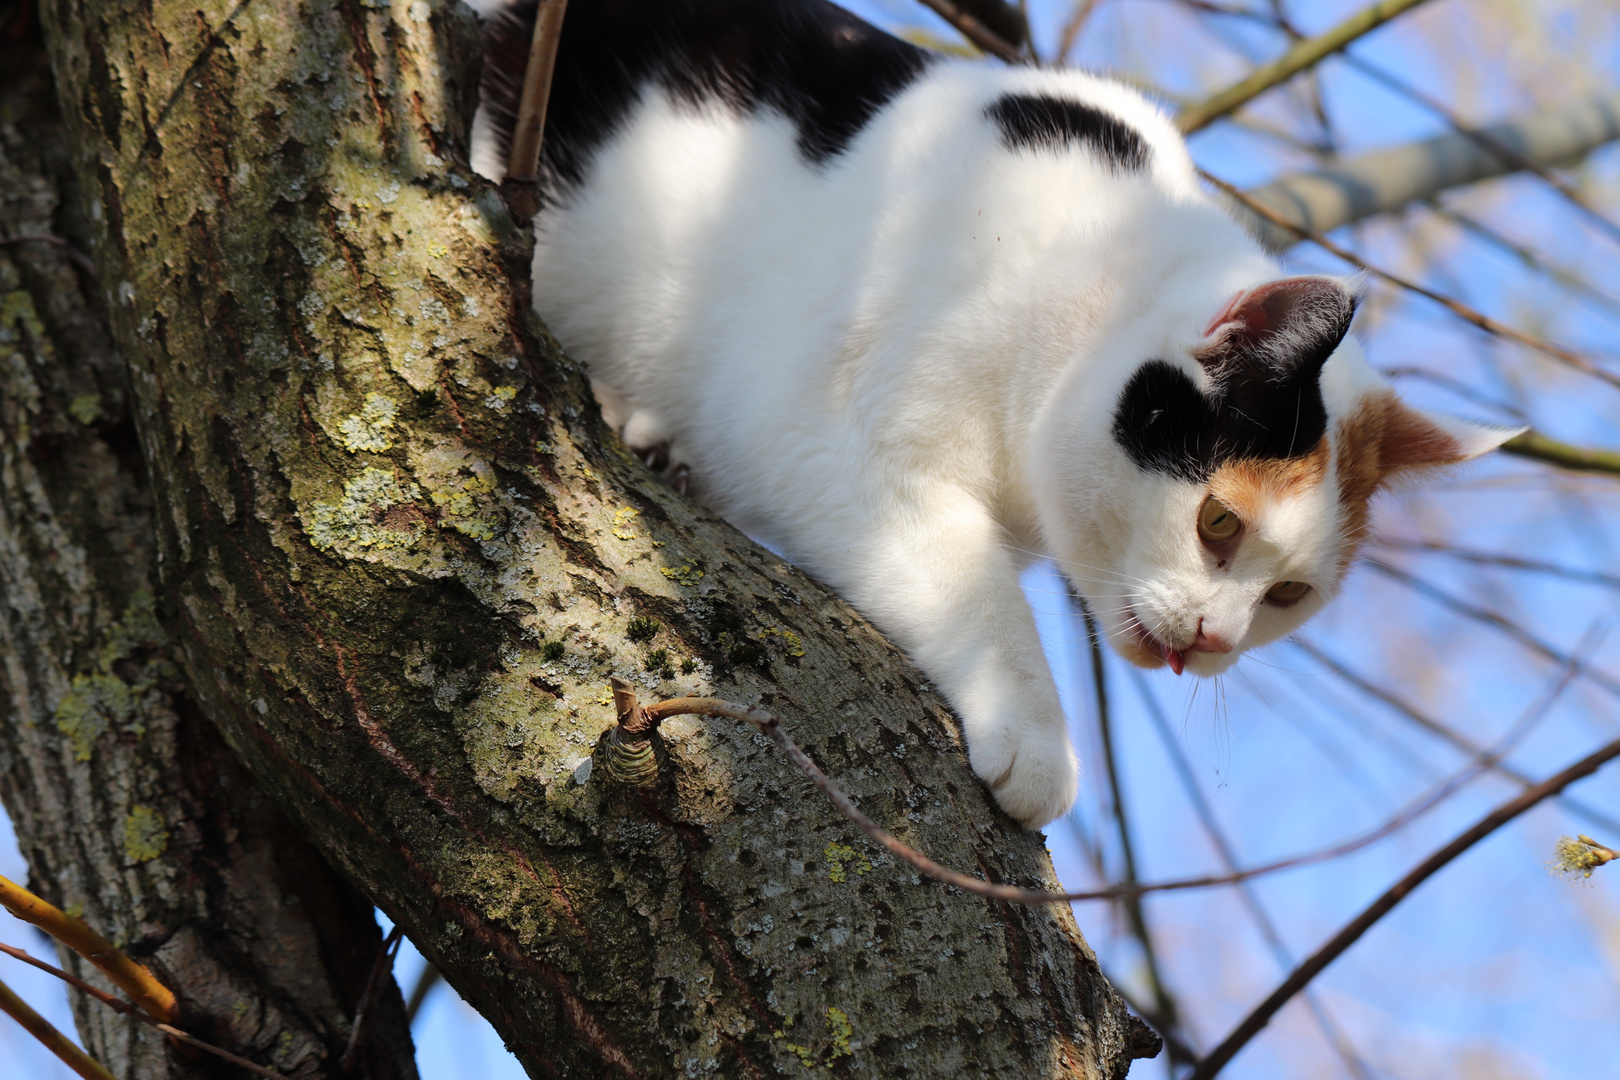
point(1208, 642)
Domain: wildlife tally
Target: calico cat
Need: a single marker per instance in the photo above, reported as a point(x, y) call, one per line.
point(915, 321)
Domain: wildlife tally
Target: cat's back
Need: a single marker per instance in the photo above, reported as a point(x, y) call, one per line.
point(769, 214)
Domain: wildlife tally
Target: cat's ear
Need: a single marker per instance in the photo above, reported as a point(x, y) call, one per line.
point(1385, 439)
point(1288, 326)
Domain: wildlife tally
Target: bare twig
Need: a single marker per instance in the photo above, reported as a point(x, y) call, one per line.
point(975, 31)
point(1444, 732)
point(1302, 975)
point(1456, 307)
point(431, 976)
point(1165, 1013)
point(1497, 622)
point(1335, 1037)
point(1302, 56)
point(522, 184)
point(129, 1010)
point(379, 967)
point(1538, 447)
point(157, 1000)
point(54, 1041)
point(1071, 29)
point(1492, 558)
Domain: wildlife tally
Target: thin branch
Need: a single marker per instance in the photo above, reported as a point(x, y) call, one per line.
point(522, 183)
point(431, 977)
point(1492, 558)
point(1566, 278)
point(379, 967)
point(1444, 732)
point(157, 1000)
point(1228, 856)
point(1071, 29)
point(129, 1010)
point(1306, 54)
point(975, 31)
point(1538, 447)
point(1456, 307)
point(1164, 1005)
point(1495, 621)
point(1302, 975)
point(57, 1043)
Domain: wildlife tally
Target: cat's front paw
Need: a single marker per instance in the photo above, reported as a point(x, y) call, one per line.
point(1030, 768)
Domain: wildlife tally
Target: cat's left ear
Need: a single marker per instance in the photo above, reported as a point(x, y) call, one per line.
point(1282, 329)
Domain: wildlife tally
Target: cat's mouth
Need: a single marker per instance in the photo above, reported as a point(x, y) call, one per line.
point(1149, 650)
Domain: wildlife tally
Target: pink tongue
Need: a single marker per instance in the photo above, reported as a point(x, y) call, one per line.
point(1176, 658)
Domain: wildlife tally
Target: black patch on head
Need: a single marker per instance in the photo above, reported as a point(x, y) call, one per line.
point(1043, 122)
point(814, 63)
point(1265, 400)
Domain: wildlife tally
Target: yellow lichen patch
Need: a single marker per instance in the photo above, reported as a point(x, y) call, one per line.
point(145, 838)
point(500, 397)
point(686, 574)
point(437, 250)
point(375, 512)
point(368, 429)
point(790, 642)
point(621, 522)
point(463, 506)
point(838, 1023)
point(97, 700)
point(839, 855)
point(86, 408)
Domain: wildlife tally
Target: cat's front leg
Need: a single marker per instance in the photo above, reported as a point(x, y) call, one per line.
point(945, 585)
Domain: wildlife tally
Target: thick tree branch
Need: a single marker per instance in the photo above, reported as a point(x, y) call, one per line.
point(1352, 189)
point(404, 560)
point(128, 808)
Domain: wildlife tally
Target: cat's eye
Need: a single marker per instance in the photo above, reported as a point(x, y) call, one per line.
point(1217, 524)
point(1287, 592)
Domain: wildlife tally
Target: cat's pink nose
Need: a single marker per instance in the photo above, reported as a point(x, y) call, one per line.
point(1207, 642)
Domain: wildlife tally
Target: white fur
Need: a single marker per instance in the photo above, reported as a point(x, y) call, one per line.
point(899, 369)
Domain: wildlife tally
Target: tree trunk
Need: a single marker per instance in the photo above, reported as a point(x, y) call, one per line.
point(129, 809)
point(401, 561)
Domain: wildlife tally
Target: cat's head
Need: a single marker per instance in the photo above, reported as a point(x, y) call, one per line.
point(1215, 500)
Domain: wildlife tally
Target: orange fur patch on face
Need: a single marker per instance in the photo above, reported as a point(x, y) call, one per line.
point(1246, 485)
point(1381, 437)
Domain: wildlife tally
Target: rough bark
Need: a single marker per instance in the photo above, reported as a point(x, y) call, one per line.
point(129, 809)
point(401, 562)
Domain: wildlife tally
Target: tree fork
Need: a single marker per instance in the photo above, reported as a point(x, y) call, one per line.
point(404, 560)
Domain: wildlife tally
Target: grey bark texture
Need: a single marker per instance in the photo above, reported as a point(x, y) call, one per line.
point(399, 560)
point(128, 807)
point(1381, 181)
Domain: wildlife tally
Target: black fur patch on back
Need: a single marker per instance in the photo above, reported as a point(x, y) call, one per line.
point(1040, 121)
point(813, 62)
